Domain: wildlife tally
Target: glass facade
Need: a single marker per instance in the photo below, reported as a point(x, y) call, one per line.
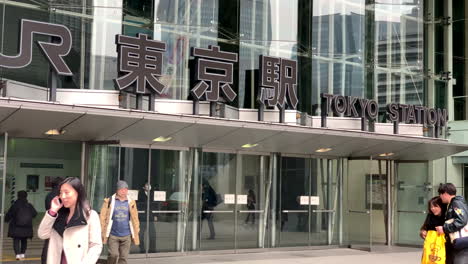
point(360, 48)
point(197, 199)
point(222, 201)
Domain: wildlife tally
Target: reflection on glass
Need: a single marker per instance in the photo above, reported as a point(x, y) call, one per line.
point(358, 217)
point(165, 199)
point(134, 170)
point(102, 173)
point(217, 187)
point(251, 193)
point(413, 194)
point(294, 215)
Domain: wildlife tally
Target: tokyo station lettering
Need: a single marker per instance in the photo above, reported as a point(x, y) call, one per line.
point(278, 82)
point(214, 72)
point(140, 66)
point(350, 106)
point(140, 59)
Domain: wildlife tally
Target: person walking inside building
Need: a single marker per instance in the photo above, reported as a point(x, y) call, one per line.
point(120, 224)
point(73, 229)
point(20, 215)
point(209, 202)
point(456, 218)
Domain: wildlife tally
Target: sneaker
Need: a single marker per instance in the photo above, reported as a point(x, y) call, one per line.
point(18, 257)
point(22, 256)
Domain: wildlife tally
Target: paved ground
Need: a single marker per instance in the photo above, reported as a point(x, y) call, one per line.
point(382, 255)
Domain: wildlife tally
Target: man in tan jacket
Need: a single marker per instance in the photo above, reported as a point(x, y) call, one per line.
point(119, 224)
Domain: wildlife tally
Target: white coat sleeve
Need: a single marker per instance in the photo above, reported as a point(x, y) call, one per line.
point(45, 228)
point(95, 240)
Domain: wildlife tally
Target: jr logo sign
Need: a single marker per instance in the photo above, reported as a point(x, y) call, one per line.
point(53, 51)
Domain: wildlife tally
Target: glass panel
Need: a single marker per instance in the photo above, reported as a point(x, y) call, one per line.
point(294, 215)
point(167, 201)
point(103, 173)
point(398, 51)
point(324, 202)
point(251, 193)
point(3, 233)
point(134, 170)
point(413, 191)
point(359, 197)
point(218, 187)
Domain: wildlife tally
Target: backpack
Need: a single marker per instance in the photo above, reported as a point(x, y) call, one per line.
point(24, 216)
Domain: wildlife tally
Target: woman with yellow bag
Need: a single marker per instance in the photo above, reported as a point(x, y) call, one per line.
point(434, 244)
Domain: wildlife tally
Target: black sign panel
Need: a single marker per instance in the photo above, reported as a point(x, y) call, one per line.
point(54, 52)
point(140, 60)
point(214, 72)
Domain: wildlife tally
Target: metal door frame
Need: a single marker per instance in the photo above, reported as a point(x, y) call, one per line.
point(2, 209)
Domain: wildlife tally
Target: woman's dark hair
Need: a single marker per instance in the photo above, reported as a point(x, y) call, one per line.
point(82, 204)
point(22, 195)
point(436, 201)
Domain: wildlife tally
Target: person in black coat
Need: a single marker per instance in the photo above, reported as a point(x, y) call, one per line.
point(20, 216)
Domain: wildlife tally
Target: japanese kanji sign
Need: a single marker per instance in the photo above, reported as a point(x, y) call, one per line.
point(54, 52)
point(278, 82)
point(214, 71)
point(140, 60)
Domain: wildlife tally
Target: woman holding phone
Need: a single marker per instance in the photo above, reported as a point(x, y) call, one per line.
point(73, 229)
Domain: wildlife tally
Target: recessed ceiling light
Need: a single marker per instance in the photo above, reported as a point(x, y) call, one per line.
point(386, 154)
point(323, 150)
point(162, 139)
point(55, 132)
point(249, 145)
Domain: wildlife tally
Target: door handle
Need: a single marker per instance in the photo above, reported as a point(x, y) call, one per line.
point(166, 212)
point(295, 211)
point(359, 212)
point(251, 211)
point(213, 211)
point(323, 211)
point(414, 212)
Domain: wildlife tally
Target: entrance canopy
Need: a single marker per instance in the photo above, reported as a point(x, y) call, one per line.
point(31, 119)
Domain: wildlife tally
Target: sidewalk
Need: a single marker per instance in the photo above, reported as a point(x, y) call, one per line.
point(328, 256)
point(381, 255)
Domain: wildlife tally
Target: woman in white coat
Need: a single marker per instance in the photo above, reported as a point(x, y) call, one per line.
point(73, 229)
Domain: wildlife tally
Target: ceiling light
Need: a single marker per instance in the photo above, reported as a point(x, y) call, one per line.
point(249, 145)
point(323, 150)
point(55, 132)
point(387, 154)
point(162, 139)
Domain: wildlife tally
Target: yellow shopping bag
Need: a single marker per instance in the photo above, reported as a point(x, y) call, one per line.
point(434, 248)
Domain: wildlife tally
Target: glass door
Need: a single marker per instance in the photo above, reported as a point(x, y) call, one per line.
point(167, 201)
point(252, 189)
point(325, 201)
point(414, 189)
point(359, 204)
point(156, 180)
point(3, 158)
point(218, 201)
point(294, 202)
